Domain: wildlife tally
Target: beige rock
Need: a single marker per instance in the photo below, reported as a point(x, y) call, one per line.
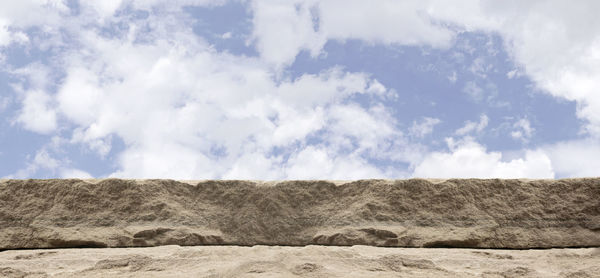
point(472, 213)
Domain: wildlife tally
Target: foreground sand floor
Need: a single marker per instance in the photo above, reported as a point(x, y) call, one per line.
point(308, 261)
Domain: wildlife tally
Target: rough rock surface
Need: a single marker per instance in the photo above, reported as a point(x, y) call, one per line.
point(471, 213)
point(308, 261)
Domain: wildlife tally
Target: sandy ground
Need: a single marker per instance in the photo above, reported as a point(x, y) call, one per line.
point(308, 261)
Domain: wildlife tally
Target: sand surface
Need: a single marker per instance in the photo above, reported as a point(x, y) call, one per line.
point(472, 213)
point(308, 261)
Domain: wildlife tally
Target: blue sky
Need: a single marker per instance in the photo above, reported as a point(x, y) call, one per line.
point(302, 89)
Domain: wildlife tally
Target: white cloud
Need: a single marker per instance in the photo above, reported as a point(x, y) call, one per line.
point(536, 30)
point(424, 127)
point(453, 77)
point(352, 127)
point(105, 8)
point(468, 159)
point(318, 163)
point(532, 32)
point(480, 67)
point(72, 173)
point(79, 96)
point(522, 130)
point(473, 126)
point(173, 5)
point(41, 161)
point(473, 90)
point(5, 101)
point(25, 13)
point(45, 164)
point(165, 160)
point(5, 37)
point(487, 92)
point(253, 165)
point(186, 111)
point(37, 113)
point(226, 35)
point(284, 28)
point(310, 162)
point(576, 158)
point(37, 75)
point(387, 22)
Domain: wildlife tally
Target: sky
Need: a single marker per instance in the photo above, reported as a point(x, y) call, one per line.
point(299, 89)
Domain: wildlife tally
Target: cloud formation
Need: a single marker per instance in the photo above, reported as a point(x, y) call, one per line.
point(468, 159)
point(532, 31)
point(183, 109)
point(473, 126)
